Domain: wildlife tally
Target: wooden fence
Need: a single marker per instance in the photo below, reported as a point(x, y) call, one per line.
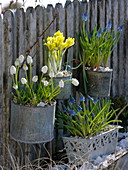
point(18, 31)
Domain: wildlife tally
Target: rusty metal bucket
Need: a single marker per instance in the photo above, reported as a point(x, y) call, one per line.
point(66, 91)
point(99, 83)
point(30, 124)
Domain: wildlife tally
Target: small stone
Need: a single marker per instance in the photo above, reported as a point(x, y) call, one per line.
point(105, 163)
point(41, 104)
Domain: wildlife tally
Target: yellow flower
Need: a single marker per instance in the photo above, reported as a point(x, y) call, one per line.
point(59, 40)
point(58, 33)
point(51, 46)
point(49, 39)
point(63, 45)
point(69, 42)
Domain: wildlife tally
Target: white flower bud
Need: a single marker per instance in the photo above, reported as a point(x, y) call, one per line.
point(44, 69)
point(12, 70)
point(34, 79)
point(17, 63)
point(61, 83)
point(25, 67)
point(15, 86)
point(59, 74)
point(45, 83)
point(21, 58)
point(29, 59)
point(51, 75)
point(23, 81)
point(75, 82)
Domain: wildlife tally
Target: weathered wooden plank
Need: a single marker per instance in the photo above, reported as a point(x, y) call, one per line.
point(108, 12)
point(1, 89)
point(121, 49)
point(49, 13)
point(69, 29)
point(115, 86)
point(101, 13)
point(8, 50)
point(39, 30)
point(93, 7)
point(31, 35)
point(126, 49)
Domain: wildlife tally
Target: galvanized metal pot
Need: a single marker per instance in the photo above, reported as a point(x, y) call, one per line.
point(66, 91)
point(99, 83)
point(30, 124)
point(80, 150)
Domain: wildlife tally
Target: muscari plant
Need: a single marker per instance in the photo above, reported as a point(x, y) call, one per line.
point(83, 121)
point(34, 90)
point(57, 46)
point(97, 45)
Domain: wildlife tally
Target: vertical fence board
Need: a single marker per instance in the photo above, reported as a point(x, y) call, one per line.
point(1, 89)
point(70, 29)
point(115, 86)
point(121, 48)
point(39, 54)
point(108, 11)
point(8, 49)
point(126, 47)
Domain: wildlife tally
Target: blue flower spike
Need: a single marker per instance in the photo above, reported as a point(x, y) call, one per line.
point(82, 99)
point(95, 101)
point(92, 114)
point(64, 109)
point(120, 28)
point(72, 100)
point(85, 17)
point(90, 98)
point(79, 108)
point(72, 112)
point(98, 34)
point(104, 30)
point(68, 67)
point(109, 25)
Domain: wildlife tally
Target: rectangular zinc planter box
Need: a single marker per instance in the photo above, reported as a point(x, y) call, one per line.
point(87, 149)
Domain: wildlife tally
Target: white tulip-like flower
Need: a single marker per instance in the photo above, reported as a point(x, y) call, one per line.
point(75, 82)
point(15, 86)
point(51, 75)
point(21, 58)
point(44, 69)
point(34, 79)
point(59, 74)
point(23, 81)
point(12, 70)
point(25, 67)
point(61, 83)
point(45, 83)
point(29, 59)
point(17, 62)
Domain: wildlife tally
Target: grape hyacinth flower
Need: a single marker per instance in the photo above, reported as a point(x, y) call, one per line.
point(79, 108)
point(85, 17)
point(82, 99)
point(72, 100)
point(120, 28)
point(98, 34)
point(72, 112)
point(109, 25)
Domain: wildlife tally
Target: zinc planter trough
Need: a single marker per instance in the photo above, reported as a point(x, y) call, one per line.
point(87, 149)
point(31, 124)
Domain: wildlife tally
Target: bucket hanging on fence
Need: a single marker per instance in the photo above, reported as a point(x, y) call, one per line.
point(66, 91)
point(98, 83)
point(31, 124)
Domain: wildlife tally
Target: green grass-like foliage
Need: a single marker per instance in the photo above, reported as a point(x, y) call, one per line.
point(97, 45)
point(86, 121)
